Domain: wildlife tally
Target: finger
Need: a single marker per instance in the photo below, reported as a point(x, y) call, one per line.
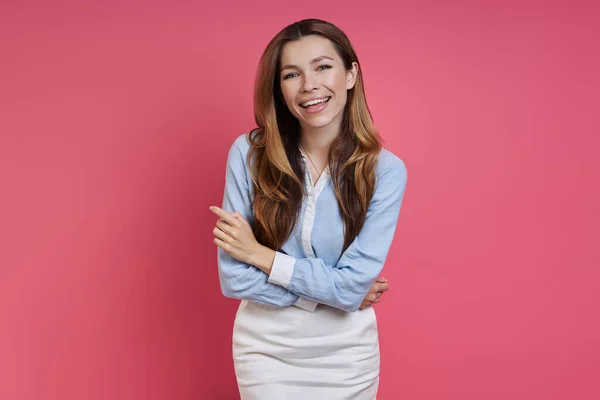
point(382, 287)
point(227, 217)
point(225, 227)
point(377, 301)
point(371, 297)
point(379, 287)
point(221, 235)
point(380, 279)
point(240, 217)
point(222, 244)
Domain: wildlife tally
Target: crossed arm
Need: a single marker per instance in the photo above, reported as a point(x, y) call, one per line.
point(233, 235)
point(248, 270)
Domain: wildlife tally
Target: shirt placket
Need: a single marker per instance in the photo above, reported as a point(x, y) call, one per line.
point(311, 205)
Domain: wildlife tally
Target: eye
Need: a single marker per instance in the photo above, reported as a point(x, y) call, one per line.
point(290, 75)
point(324, 66)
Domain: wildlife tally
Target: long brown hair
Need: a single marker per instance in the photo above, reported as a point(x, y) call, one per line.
point(276, 165)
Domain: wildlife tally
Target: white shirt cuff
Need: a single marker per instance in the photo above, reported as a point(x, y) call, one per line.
point(306, 305)
point(282, 269)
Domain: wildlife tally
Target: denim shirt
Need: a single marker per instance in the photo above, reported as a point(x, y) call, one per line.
point(310, 268)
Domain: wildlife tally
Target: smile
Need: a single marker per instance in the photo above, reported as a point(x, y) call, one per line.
point(315, 102)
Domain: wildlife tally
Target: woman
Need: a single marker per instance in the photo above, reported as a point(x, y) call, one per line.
point(309, 213)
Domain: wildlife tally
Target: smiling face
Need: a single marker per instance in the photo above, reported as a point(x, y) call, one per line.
point(314, 82)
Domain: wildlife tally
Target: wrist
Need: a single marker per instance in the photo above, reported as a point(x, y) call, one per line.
point(264, 258)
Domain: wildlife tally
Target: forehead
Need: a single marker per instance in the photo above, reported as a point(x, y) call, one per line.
point(309, 47)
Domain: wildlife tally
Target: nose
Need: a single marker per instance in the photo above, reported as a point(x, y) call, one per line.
point(310, 83)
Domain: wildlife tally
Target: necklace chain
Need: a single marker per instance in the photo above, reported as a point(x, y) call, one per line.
point(311, 161)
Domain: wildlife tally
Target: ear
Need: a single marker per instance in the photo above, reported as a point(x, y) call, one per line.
point(351, 76)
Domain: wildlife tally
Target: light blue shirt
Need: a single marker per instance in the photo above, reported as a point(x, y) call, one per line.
point(310, 267)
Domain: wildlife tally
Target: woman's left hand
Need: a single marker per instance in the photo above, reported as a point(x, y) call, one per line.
point(380, 286)
point(234, 235)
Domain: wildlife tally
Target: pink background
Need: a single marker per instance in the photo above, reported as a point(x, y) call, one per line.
point(115, 121)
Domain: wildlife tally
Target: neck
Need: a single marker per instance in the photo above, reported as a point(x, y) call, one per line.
point(316, 141)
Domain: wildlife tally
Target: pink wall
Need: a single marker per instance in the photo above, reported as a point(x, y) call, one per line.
point(115, 121)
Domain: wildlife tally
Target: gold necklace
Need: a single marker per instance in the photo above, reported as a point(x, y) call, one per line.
point(311, 161)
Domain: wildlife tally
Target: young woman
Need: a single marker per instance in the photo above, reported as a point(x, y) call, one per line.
point(309, 213)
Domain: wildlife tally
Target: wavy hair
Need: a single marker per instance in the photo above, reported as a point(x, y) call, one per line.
point(276, 164)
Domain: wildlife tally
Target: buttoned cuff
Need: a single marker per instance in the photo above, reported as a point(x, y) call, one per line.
point(282, 269)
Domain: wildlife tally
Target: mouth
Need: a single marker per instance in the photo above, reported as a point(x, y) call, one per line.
point(314, 103)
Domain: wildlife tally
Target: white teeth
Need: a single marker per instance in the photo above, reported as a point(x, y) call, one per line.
point(313, 102)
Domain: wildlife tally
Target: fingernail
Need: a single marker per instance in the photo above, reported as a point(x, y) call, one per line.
point(385, 280)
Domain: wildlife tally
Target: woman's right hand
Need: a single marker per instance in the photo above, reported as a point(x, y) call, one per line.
point(374, 296)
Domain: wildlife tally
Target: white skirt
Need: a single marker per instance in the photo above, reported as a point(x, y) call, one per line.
point(288, 353)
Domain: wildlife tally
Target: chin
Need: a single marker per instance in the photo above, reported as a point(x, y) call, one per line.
point(321, 123)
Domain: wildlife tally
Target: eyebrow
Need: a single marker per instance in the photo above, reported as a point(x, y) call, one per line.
point(314, 60)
